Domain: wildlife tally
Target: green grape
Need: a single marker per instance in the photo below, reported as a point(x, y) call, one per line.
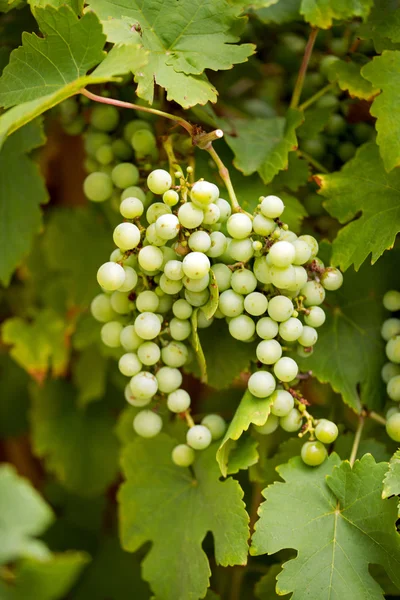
point(211, 214)
point(144, 385)
point(182, 309)
point(202, 321)
point(110, 334)
point(267, 328)
point(363, 132)
point(313, 292)
point(175, 354)
point(302, 252)
point(120, 303)
point(131, 208)
point(239, 226)
point(144, 143)
point(196, 265)
point(315, 147)
point(104, 155)
point(346, 151)
point(393, 427)
point(291, 329)
point(240, 250)
point(147, 301)
point(131, 280)
point(178, 401)
point(316, 317)
point(132, 126)
point(98, 187)
point(125, 175)
point(280, 308)
point(312, 242)
point(281, 254)
point(255, 303)
point(268, 351)
point(286, 369)
point(283, 278)
point(271, 207)
point(173, 269)
point(150, 258)
point(390, 328)
point(129, 397)
point(180, 329)
point(110, 276)
point(242, 328)
point(169, 379)
point(261, 384)
point(183, 455)
point(282, 403)
point(170, 286)
point(389, 370)
point(129, 339)
point(134, 191)
point(394, 410)
point(261, 270)
point(326, 431)
point(170, 197)
point(325, 64)
point(168, 254)
point(292, 421)
point(101, 308)
point(270, 425)
point(126, 236)
point(198, 437)
point(159, 181)
point(336, 125)
point(391, 300)
point(104, 118)
point(93, 140)
point(308, 337)
point(313, 453)
point(155, 211)
point(243, 281)
point(231, 304)
point(393, 388)
point(148, 353)
point(393, 349)
point(121, 150)
point(204, 193)
point(200, 241)
point(196, 285)
point(165, 304)
point(197, 299)
point(190, 216)
point(147, 424)
point(332, 279)
point(147, 326)
point(129, 364)
point(167, 226)
point(215, 424)
point(327, 101)
point(225, 210)
point(263, 225)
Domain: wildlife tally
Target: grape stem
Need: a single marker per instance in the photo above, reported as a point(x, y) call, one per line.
point(317, 165)
point(224, 174)
point(317, 96)
point(303, 68)
point(357, 439)
point(169, 151)
point(188, 418)
point(378, 418)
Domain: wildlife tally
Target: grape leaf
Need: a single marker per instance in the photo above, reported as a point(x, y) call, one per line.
point(343, 526)
point(182, 42)
point(125, 569)
point(383, 23)
point(296, 174)
point(50, 579)
point(283, 11)
point(321, 13)
point(172, 509)
point(76, 5)
point(243, 455)
point(250, 410)
point(263, 145)
point(79, 447)
point(315, 120)
point(44, 71)
point(20, 198)
point(383, 73)
point(40, 345)
point(14, 400)
point(391, 481)
point(349, 353)
point(354, 189)
point(23, 516)
point(350, 79)
point(90, 375)
point(265, 587)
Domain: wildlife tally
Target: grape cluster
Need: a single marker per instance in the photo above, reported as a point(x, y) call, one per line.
point(390, 332)
point(267, 282)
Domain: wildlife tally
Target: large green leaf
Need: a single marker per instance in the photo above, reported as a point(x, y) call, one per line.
point(173, 509)
point(384, 73)
point(14, 400)
point(263, 145)
point(391, 482)
point(283, 11)
point(349, 78)
point(20, 198)
point(44, 71)
point(182, 42)
point(383, 23)
point(356, 189)
point(322, 13)
point(343, 526)
point(23, 516)
point(78, 446)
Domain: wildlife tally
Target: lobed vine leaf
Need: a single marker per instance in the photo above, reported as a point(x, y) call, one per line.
point(20, 198)
point(391, 481)
point(322, 13)
point(352, 80)
point(183, 41)
point(173, 509)
point(284, 11)
point(354, 189)
point(383, 23)
point(344, 527)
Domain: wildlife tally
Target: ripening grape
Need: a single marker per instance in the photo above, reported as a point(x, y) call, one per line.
point(302, 252)
point(393, 349)
point(144, 143)
point(180, 329)
point(134, 191)
point(120, 303)
point(157, 210)
point(223, 276)
point(199, 241)
point(292, 421)
point(147, 301)
point(129, 364)
point(261, 384)
point(261, 270)
point(243, 281)
point(101, 308)
point(126, 236)
point(183, 455)
point(124, 175)
point(104, 118)
point(240, 250)
point(198, 437)
point(225, 210)
point(131, 207)
point(267, 328)
point(315, 317)
point(147, 424)
point(263, 226)
point(167, 226)
point(182, 309)
point(393, 427)
point(149, 353)
point(313, 293)
point(203, 193)
point(242, 328)
point(282, 403)
point(239, 226)
point(159, 181)
point(197, 299)
point(138, 402)
point(326, 431)
point(312, 242)
point(150, 258)
point(175, 354)
point(389, 370)
point(110, 334)
point(280, 308)
point(147, 325)
point(178, 401)
point(272, 207)
point(270, 425)
point(332, 279)
point(286, 369)
point(215, 424)
point(98, 187)
point(144, 385)
point(218, 244)
point(313, 453)
point(129, 339)
point(281, 254)
point(391, 300)
point(195, 265)
point(255, 303)
point(231, 304)
point(211, 214)
point(291, 329)
point(268, 351)
point(190, 215)
point(390, 328)
point(308, 336)
point(393, 388)
point(170, 197)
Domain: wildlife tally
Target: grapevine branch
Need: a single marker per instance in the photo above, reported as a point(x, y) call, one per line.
point(303, 69)
point(317, 95)
point(357, 439)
